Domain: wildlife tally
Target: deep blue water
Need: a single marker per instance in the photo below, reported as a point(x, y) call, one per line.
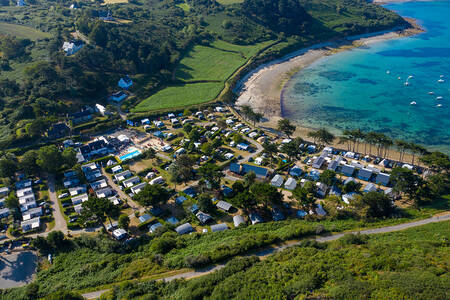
point(353, 89)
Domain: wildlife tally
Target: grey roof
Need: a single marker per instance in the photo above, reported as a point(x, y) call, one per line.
point(185, 228)
point(203, 217)
point(382, 178)
point(350, 179)
point(364, 174)
point(4, 211)
point(137, 188)
point(124, 174)
point(238, 220)
point(219, 227)
point(224, 205)
point(132, 180)
point(370, 188)
point(348, 170)
point(334, 163)
point(318, 162)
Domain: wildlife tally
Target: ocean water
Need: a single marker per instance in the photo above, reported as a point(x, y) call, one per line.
point(361, 88)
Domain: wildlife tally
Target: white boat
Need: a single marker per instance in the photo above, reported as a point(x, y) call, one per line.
point(439, 105)
point(388, 72)
point(413, 103)
point(406, 83)
point(441, 80)
point(430, 93)
point(442, 76)
point(439, 98)
point(399, 78)
point(410, 76)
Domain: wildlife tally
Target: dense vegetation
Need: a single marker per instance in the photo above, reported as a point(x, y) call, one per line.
point(158, 43)
point(412, 264)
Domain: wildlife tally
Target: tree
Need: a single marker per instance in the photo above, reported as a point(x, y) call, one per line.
point(36, 128)
point(211, 173)
point(63, 294)
point(290, 149)
point(181, 168)
point(124, 222)
point(408, 183)
point(373, 205)
point(49, 159)
point(249, 179)
point(436, 161)
point(98, 210)
point(246, 111)
point(256, 117)
point(152, 195)
point(270, 149)
point(328, 177)
point(245, 200)
point(285, 126)
point(56, 239)
point(69, 157)
point(401, 147)
point(205, 204)
point(305, 195)
point(266, 193)
point(370, 139)
point(323, 136)
point(8, 167)
point(28, 162)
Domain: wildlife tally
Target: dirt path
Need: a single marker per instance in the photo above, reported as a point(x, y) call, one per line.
point(274, 249)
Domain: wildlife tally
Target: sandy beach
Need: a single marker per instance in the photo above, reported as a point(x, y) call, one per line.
point(262, 88)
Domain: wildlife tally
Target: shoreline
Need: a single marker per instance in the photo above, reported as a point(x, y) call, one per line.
point(262, 89)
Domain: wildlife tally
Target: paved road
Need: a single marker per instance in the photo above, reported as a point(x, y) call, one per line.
point(122, 194)
point(275, 249)
point(60, 222)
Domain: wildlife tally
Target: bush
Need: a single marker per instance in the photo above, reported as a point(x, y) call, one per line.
point(196, 261)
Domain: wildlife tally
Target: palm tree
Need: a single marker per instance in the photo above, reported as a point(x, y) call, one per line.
point(401, 146)
point(416, 149)
point(359, 137)
point(246, 111)
point(349, 134)
point(370, 139)
point(387, 143)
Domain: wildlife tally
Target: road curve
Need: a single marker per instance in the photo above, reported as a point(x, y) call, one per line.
point(275, 249)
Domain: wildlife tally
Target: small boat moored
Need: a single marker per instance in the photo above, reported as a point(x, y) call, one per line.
point(413, 103)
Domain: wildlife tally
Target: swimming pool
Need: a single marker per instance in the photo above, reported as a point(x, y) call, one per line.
point(131, 154)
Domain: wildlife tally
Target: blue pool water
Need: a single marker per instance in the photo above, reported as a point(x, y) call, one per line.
point(352, 89)
point(130, 155)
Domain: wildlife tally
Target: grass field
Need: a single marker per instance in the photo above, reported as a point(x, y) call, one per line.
point(106, 2)
point(180, 96)
point(184, 6)
point(21, 31)
point(228, 2)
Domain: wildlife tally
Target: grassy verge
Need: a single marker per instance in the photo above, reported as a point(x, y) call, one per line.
point(21, 31)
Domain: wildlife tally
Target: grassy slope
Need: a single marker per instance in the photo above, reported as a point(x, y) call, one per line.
point(215, 63)
point(21, 31)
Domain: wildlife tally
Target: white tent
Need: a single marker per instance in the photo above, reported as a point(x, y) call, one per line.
point(290, 184)
point(277, 181)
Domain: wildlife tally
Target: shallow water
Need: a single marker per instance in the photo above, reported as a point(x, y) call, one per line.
point(353, 89)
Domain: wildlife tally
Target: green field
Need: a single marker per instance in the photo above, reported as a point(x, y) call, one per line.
point(180, 96)
point(22, 31)
point(228, 2)
point(184, 6)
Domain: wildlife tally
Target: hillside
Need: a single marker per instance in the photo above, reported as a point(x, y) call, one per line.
point(178, 53)
point(411, 264)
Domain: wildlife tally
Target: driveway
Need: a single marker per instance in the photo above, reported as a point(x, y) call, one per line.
point(60, 222)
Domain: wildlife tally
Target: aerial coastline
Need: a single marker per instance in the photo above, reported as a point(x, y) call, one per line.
point(263, 88)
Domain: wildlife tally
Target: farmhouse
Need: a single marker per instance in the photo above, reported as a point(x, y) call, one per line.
point(72, 47)
point(118, 96)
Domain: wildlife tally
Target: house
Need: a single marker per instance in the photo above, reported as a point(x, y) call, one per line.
point(185, 228)
point(58, 130)
point(235, 168)
point(314, 175)
point(226, 191)
point(24, 192)
point(194, 209)
point(172, 220)
point(334, 164)
point(320, 211)
point(322, 189)
point(93, 175)
point(130, 182)
point(104, 193)
point(77, 190)
point(119, 234)
point(2, 202)
point(124, 175)
point(389, 192)
point(223, 205)
point(290, 184)
point(144, 218)
point(81, 117)
point(71, 182)
point(180, 151)
point(364, 174)
point(137, 188)
point(157, 180)
point(219, 227)
point(350, 179)
point(30, 224)
point(259, 160)
point(255, 218)
point(78, 208)
point(152, 228)
point(20, 3)
point(101, 109)
point(125, 82)
point(180, 199)
point(238, 220)
point(118, 96)
point(68, 143)
point(260, 172)
point(4, 191)
point(370, 188)
point(70, 174)
point(335, 191)
point(79, 199)
point(277, 181)
point(348, 197)
point(99, 184)
point(116, 169)
point(229, 156)
point(357, 165)
point(243, 146)
point(318, 162)
point(72, 47)
point(348, 170)
point(32, 213)
point(301, 214)
point(26, 183)
point(203, 217)
point(277, 215)
point(26, 203)
point(4, 212)
point(111, 226)
point(382, 178)
point(295, 171)
point(114, 200)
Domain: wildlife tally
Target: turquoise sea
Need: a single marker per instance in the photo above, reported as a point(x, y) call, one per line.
point(361, 88)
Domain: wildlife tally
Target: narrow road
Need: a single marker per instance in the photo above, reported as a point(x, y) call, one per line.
point(60, 222)
point(274, 249)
